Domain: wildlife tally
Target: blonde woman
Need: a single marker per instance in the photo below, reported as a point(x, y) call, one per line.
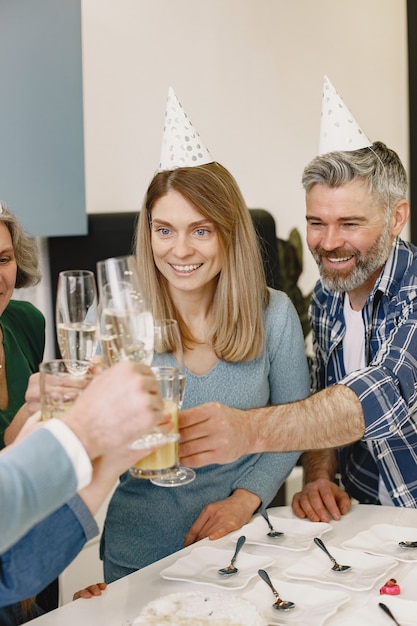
point(243, 345)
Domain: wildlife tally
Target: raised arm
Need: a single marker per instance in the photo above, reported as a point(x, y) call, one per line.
point(213, 433)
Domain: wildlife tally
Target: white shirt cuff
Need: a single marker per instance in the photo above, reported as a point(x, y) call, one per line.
point(74, 449)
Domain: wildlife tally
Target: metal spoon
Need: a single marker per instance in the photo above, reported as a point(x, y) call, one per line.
point(280, 605)
point(408, 544)
point(336, 567)
point(388, 611)
point(231, 569)
point(272, 533)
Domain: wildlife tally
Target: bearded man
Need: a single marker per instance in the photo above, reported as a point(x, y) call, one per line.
point(361, 419)
point(363, 316)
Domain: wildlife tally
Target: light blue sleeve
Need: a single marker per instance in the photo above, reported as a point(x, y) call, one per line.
point(288, 381)
point(36, 478)
point(45, 551)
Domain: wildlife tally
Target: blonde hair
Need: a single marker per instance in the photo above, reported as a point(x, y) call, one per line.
point(237, 333)
point(25, 250)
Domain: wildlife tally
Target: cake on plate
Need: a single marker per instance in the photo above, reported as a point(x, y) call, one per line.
point(199, 609)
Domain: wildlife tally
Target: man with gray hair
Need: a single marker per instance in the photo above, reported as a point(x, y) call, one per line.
point(362, 417)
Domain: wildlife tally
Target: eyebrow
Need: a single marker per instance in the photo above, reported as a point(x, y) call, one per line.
point(6, 250)
point(351, 218)
point(192, 225)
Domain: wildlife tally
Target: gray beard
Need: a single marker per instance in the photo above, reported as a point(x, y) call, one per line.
point(365, 266)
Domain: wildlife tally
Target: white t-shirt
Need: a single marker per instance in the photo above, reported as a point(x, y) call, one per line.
point(354, 359)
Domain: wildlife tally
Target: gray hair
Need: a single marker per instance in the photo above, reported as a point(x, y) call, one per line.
point(25, 250)
point(378, 166)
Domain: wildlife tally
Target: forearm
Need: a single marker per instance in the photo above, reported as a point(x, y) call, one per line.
point(15, 426)
point(329, 419)
point(49, 548)
point(30, 490)
point(265, 473)
point(247, 499)
point(319, 464)
point(96, 492)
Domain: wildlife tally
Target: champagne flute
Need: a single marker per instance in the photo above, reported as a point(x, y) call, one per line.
point(76, 315)
point(168, 351)
point(126, 326)
point(125, 320)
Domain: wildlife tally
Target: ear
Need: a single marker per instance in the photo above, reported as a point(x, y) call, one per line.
point(399, 217)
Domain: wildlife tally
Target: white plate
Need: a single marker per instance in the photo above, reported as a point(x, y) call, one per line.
point(383, 539)
point(366, 568)
point(312, 605)
point(403, 610)
point(298, 534)
point(202, 564)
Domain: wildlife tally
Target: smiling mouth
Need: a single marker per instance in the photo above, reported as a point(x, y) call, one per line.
point(339, 259)
point(186, 269)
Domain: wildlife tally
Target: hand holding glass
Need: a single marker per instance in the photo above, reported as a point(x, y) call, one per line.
point(61, 382)
point(126, 325)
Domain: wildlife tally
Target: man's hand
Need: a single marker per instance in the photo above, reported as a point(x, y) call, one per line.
point(321, 500)
point(212, 433)
point(117, 407)
point(218, 519)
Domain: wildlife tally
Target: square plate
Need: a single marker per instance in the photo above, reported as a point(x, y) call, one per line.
point(383, 539)
point(366, 568)
point(298, 533)
point(403, 610)
point(202, 564)
point(312, 605)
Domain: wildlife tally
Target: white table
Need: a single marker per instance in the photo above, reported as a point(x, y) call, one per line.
point(124, 599)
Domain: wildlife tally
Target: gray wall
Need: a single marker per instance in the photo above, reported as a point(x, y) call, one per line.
point(41, 115)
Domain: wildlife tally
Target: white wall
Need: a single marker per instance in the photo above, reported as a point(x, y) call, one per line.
point(249, 73)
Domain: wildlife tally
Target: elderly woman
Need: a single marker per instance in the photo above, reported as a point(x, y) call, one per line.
point(22, 326)
point(22, 342)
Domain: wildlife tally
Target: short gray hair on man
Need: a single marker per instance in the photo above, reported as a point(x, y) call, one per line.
point(378, 166)
point(25, 250)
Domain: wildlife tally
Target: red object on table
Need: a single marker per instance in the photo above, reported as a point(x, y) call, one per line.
point(390, 588)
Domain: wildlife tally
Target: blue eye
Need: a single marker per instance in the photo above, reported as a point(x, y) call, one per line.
point(201, 232)
point(163, 231)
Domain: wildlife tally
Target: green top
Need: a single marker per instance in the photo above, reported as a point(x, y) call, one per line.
point(23, 327)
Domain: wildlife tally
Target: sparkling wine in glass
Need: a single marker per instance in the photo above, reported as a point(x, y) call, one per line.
point(76, 315)
point(168, 351)
point(126, 326)
point(125, 320)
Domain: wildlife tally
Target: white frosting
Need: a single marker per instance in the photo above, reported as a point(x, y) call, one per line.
point(199, 609)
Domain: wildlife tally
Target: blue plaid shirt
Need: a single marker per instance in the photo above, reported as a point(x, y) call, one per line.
point(386, 388)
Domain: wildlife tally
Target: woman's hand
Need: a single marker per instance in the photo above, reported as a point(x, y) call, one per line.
point(90, 591)
point(218, 519)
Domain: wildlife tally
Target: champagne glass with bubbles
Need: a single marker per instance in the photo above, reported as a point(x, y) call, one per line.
point(168, 352)
point(76, 315)
point(125, 320)
point(126, 327)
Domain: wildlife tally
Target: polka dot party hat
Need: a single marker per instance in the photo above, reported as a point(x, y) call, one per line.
point(339, 131)
point(181, 144)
